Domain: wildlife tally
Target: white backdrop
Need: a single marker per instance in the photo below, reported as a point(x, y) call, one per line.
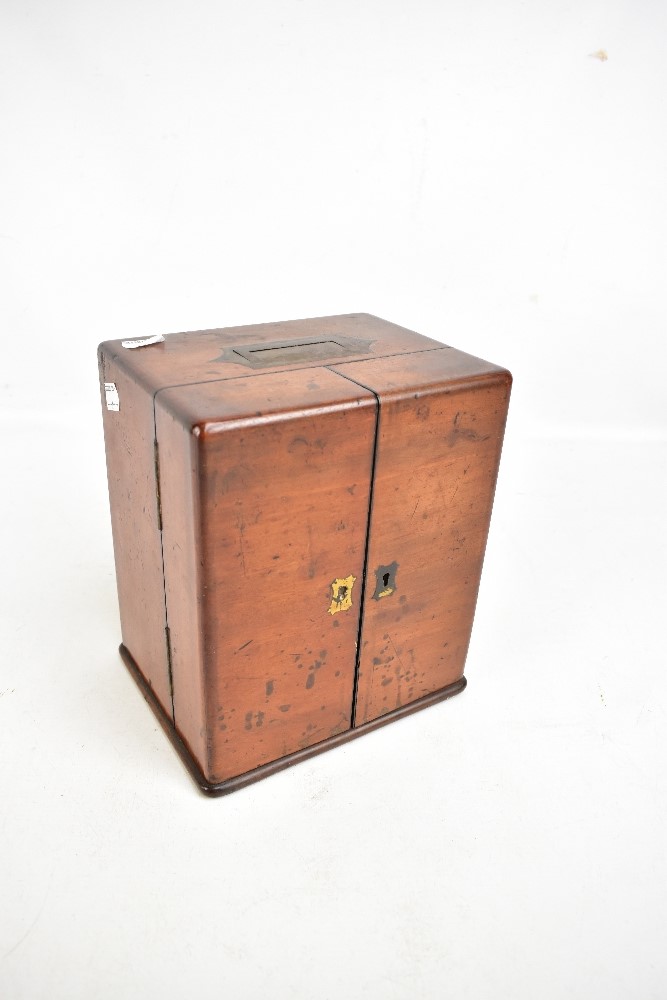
point(489, 174)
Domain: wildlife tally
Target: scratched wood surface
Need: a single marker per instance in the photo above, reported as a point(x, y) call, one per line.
point(441, 424)
point(283, 478)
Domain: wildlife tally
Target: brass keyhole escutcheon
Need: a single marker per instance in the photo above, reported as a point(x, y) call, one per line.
point(341, 594)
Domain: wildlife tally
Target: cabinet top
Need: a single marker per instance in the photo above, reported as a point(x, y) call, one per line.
point(240, 351)
point(246, 373)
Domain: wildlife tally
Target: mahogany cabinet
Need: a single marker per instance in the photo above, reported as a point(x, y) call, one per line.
point(299, 515)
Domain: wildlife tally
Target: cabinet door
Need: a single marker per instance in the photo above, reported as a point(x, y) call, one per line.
point(264, 616)
point(440, 429)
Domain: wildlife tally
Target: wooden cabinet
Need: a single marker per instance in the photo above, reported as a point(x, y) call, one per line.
point(299, 514)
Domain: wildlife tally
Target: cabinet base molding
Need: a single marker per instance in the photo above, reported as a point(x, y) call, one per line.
point(233, 784)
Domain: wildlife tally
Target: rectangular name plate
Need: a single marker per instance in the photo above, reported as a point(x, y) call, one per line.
point(289, 352)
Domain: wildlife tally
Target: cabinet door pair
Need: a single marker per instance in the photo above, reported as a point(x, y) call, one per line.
point(323, 531)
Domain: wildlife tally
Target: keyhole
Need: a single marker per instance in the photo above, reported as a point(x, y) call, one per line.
point(342, 593)
point(385, 580)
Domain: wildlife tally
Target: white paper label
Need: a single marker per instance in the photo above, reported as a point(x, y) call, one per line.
point(113, 399)
point(144, 342)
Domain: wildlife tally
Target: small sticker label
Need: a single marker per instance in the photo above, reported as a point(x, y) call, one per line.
point(111, 393)
point(143, 342)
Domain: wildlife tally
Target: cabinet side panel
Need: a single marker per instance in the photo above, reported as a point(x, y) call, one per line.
point(181, 544)
point(440, 434)
point(130, 453)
